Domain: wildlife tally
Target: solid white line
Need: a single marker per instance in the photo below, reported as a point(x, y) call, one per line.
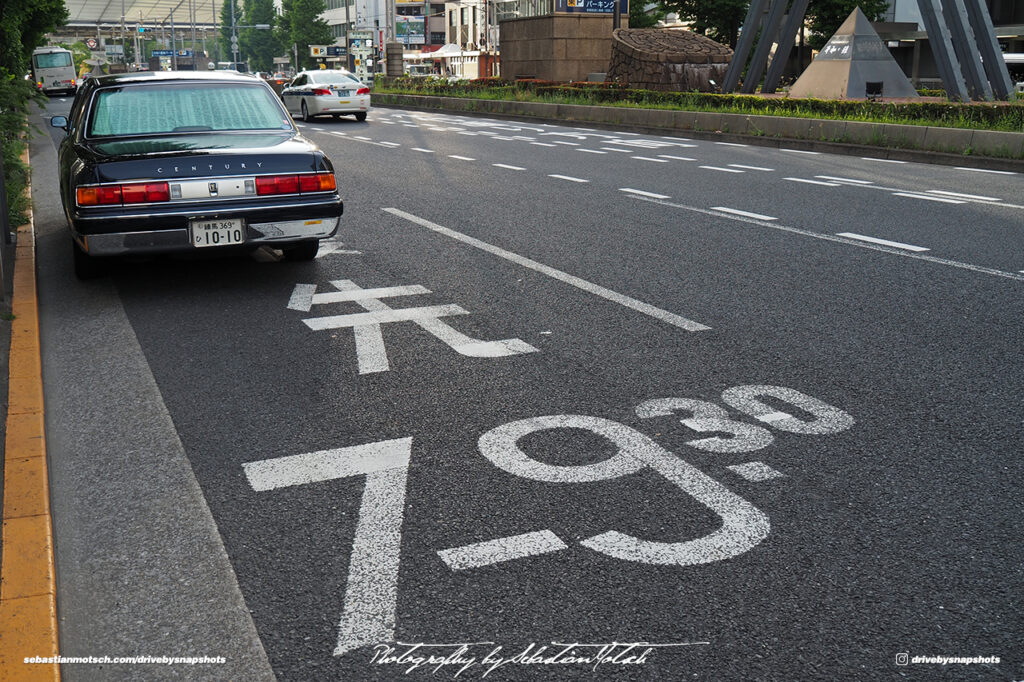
point(870, 158)
point(675, 158)
point(425, 151)
point(814, 182)
point(460, 158)
point(647, 158)
point(724, 170)
point(985, 170)
point(542, 144)
point(641, 193)
point(883, 242)
point(360, 137)
point(591, 151)
point(856, 182)
point(799, 151)
point(612, 149)
point(567, 177)
point(502, 549)
point(849, 242)
point(927, 198)
point(962, 196)
point(745, 214)
point(502, 165)
point(597, 290)
point(731, 144)
point(757, 168)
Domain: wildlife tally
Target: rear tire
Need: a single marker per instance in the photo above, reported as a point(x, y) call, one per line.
point(361, 116)
point(302, 251)
point(306, 118)
point(86, 267)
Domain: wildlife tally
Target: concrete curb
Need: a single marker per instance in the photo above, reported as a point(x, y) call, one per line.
point(28, 594)
point(949, 146)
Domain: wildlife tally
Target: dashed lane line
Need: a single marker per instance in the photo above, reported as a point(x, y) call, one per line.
point(928, 198)
point(815, 182)
point(676, 158)
point(505, 165)
point(425, 151)
point(572, 280)
point(846, 180)
point(800, 151)
point(742, 214)
point(753, 168)
point(591, 151)
point(871, 158)
point(461, 158)
point(883, 242)
point(642, 193)
point(724, 170)
point(567, 177)
point(647, 158)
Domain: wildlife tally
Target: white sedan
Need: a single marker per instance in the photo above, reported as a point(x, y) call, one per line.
point(326, 92)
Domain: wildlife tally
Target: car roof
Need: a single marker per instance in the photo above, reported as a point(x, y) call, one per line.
point(174, 76)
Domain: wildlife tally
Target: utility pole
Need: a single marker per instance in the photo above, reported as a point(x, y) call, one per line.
point(348, 43)
point(234, 36)
point(216, 33)
point(174, 49)
point(192, 14)
point(124, 53)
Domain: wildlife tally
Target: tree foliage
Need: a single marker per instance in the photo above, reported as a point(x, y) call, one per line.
point(226, 25)
point(302, 26)
point(23, 27)
point(717, 19)
point(259, 46)
point(825, 16)
point(639, 18)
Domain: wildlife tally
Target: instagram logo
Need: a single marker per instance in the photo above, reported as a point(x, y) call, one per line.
point(902, 659)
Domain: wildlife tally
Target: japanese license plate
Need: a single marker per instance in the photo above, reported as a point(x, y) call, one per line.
point(217, 232)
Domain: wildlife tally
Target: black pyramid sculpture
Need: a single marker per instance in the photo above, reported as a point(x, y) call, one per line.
point(852, 65)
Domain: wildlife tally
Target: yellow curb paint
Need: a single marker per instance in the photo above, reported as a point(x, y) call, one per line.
point(31, 637)
point(28, 593)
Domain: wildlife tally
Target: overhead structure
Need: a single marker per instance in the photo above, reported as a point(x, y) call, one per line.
point(960, 33)
point(854, 63)
point(82, 13)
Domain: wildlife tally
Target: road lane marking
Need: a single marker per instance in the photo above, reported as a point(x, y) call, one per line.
point(814, 182)
point(643, 193)
point(613, 149)
point(501, 550)
point(505, 165)
point(591, 151)
point(958, 195)
point(757, 168)
point(928, 198)
point(985, 170)
point(389, 144)
point(675, 158)
point(571, 144)
point(883, 242)
point(647, 158)
point(339, 134)
point(502, 137)
point(572, 280)
point(425, 151)
point(364, 139)
point(387, 123)
point(871, 158)
point(743, 214)
point(799, 151)
point(567, 177)
point(460, 158)
point(755, 471)
point(731, 144)
point(542, 144)
point(724, 170)
point(850, 180)
point(842, 240)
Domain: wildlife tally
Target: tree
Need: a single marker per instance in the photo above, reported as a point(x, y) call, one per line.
point(259, 46)
point(225, 27)
point(825, 16)
point(640, 18)
point(304, 27)
point(23, 27)
point(718, 19)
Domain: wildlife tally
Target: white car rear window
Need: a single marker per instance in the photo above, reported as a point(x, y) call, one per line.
point(339, 78)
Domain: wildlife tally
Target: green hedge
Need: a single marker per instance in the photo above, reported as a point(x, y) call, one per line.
point(15, 95)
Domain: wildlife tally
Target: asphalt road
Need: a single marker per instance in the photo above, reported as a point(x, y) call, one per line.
point(639, 389)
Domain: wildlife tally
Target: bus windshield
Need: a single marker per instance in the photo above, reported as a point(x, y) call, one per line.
point(51, 60)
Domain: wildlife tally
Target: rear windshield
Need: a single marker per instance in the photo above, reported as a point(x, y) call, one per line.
point(333, 78)
point(161, 108)
point(52, 60)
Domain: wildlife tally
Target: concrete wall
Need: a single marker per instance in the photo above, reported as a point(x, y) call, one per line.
point(558, 47)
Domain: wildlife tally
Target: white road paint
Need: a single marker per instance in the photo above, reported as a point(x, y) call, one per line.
point(338, 134)
point(389, 144)
point(883, 242)
point(502, 549)
point(709, 418)
point(466, 132)
point(591, 151)
point(302, 297)
point(985, 170)
point(460, 158)
point(567, 177)
point(571, 144)
point(505, 165)
point(383, 317)
point(928, 198)
point(827, 419)
point(742, 527)
point(425, 151)
point(756, 471)
point(675, 158)
point(371, 591)
point(744, 214)
point(724, 170)
point(871, 158)
point(643, 193)
point(319, 130)
point(579, 283)
point(360, 137)
point(842, 240)
point(958, 195)
point(849, 180)
point(410, 125)
point(731, 144)
point(335, 247)
point(755, 168)
point(800, 151)
point(363, 294)
point(647, 158)
point(387, 123)
point(613, 149)
point(542, 144)
point(503, 137)
point(813, 182)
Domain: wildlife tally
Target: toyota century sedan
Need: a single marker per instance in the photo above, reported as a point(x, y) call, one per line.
point(184, 161)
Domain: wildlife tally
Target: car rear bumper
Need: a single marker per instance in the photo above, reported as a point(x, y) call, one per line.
point(338, 105)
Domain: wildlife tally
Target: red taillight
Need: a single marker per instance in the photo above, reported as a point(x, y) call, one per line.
point(99, 196)
point(278, 184)
point(363, 91)
point(309, 183)
point(144, 193)
point(321, 91)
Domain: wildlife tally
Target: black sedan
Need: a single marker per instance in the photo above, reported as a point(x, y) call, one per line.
point(179, 161)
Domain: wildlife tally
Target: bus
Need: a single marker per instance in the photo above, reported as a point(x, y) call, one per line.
point(53, 70)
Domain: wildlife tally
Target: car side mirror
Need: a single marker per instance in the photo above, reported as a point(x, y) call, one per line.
point(59, 122)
